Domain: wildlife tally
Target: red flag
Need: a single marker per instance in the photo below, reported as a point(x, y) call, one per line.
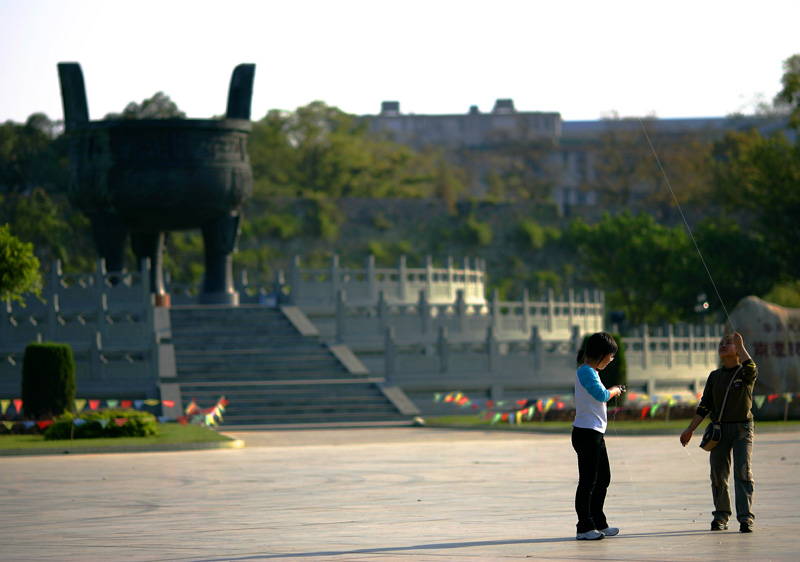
point(223, 401)
point(490, 404)
point(521, 402)
point(126, 403)
point(168, 403)
point(539, 405)
point(94, 404)
point(120, 421)
point(772, 397)
point(18, 405)
point(559, 405)
point(44, 424)
point(183, 419)
point(645, 410)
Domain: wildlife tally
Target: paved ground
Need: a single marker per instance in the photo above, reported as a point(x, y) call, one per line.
point(386, 494)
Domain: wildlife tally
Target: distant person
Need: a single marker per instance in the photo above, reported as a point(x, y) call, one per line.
point(740, 372)
point(588, 436)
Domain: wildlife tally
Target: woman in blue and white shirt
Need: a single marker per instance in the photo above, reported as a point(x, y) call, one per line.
point(588, 431)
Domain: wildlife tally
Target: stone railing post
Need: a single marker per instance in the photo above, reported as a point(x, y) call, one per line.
point(461, 311)
point(402, 279)
point(645, 346)
point(389, 353)
point(443, 350)
point(496, 312)
point(295, 282)
point(429, 277)
point(341, 315)
point(424, 311)
point(571, 308)
point(671, 343)
point(335, 276)
point(372, 281)
point(537, 349)
point(492, 350)
point(383, 311)
point(53, 318)
point(551, 311)
point(450, 275)
point(101, 299)
point(526, 312)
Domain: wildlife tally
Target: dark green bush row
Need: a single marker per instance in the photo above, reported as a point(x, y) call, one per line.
point(137, 424)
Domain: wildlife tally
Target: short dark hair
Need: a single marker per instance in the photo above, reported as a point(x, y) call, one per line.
point(597, 346)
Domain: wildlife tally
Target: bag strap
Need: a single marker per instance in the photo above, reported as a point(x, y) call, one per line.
point(727, 391)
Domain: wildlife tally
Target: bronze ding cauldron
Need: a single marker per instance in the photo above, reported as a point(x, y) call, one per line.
point(144, 177)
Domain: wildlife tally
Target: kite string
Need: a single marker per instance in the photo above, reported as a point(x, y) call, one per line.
point(686, 223)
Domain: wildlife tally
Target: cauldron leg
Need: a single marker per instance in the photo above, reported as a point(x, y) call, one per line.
point(219, 238)
point(110, 234)
point(151, 245)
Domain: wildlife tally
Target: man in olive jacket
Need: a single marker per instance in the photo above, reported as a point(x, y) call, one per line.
point(740, 372)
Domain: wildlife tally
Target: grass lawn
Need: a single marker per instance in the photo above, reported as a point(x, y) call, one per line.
point(628, 427)
point(169, 433)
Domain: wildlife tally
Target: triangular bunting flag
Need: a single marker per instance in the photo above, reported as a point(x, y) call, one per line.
point(104, 422)
point(653, 409)
point(18, 405)
point(168, 403)
point(120, 421)
point(163, 419)
point(8, 425)
point(79, 404)
point(4, 404)
point(126, 404)
point(94, 404)
point(79, 422)
point(28, 424)
point(183, 420)
point(137, 404)
point(644, 411)
point(44, 424)
point(787, 396)
point(759, 400)
point(152, 402)
point(112, 404)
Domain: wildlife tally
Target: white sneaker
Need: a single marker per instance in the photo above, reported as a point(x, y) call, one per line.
point(592, 535)
point(610, 531)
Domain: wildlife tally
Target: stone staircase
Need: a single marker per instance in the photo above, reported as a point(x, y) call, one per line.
point(270, 372)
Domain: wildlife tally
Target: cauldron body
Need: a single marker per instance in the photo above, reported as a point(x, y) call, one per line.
point(146, 176)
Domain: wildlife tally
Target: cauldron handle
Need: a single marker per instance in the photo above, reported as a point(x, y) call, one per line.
point(73, 94)
point(240, 95)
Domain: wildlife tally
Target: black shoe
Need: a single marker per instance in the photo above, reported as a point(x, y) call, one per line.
point(719, 525)
point(745, 527)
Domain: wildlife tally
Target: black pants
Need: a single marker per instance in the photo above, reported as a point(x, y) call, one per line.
point(594, 476)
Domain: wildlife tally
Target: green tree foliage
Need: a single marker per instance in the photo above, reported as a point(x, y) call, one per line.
point(19, 268)
point(32, 155)
point(160, 106)
point(761, 175)
point(319, 149)
point(790, 92)
point(634, 260)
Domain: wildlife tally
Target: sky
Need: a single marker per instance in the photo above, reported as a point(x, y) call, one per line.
point(585, 59)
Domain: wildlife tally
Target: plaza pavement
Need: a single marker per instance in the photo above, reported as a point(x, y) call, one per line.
point(387, 494)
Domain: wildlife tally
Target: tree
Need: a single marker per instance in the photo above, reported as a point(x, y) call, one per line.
point(790, 93)
point(160, 106)
point(761, 175)
point(32, 155)
point(634, 260)
point(19, 268)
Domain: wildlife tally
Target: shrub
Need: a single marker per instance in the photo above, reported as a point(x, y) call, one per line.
point(137, 424)
point(48, 379)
